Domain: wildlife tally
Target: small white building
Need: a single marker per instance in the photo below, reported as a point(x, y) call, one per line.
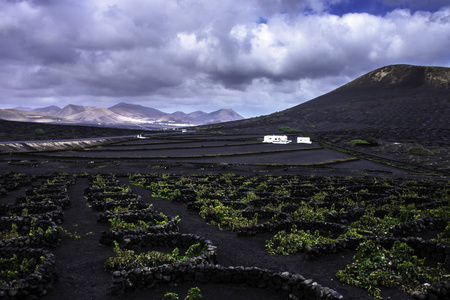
point(303, 140)
point(276, 139)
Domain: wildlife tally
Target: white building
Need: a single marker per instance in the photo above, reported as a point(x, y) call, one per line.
point(276, 139)
point(303, 140)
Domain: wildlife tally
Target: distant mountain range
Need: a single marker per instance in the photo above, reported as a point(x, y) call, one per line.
point(121, 114)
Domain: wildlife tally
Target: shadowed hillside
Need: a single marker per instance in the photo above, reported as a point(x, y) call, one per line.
point(399, 101)
point(401, 107)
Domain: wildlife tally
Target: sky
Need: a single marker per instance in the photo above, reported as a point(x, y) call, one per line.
point(253, 56)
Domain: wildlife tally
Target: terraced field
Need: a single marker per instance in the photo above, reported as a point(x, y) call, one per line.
point(182, 152)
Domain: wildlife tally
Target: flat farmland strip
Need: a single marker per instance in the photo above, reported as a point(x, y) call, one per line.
point(169, 146)
point(187, 153)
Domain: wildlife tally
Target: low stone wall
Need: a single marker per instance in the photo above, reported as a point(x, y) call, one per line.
point(50, 237)
point(287, 225)
point(265, 214)
point(37, 212)
point(100, 190)
point(294, 285)
point(107, 237)
point(37, 283)
point(202, 269)
point(130, 215)
point(107, 205)
point(345, 217)
point(172, 239)
point(419, 225)
point(333, 247)
point(437, 291)
point(31, 208)
point(423, 248)
point(15, 183)
point(52, 189)
point(116, 196)
point(50, 199)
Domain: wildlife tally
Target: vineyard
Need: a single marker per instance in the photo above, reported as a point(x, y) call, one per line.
point(165, 235)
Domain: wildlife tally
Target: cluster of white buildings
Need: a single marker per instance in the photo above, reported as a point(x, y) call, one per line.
point(283, 139)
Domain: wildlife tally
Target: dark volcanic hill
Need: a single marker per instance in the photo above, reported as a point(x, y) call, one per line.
point(396, 102)
point(390, 98)
point(400, 107)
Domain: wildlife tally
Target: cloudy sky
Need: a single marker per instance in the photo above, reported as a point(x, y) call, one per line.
point(253, 56)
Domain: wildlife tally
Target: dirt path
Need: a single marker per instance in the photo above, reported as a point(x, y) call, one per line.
point(79, 262)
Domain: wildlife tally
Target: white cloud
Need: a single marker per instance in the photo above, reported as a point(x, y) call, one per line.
point(197, 54)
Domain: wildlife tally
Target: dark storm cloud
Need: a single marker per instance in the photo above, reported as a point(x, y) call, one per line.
point(164, 53)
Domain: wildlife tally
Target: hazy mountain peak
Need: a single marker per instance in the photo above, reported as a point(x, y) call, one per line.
point(136, 111)
point(22, 108)
point(53, 109)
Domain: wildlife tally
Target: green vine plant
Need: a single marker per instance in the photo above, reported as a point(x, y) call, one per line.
point(10, 234)
point(371, 224)
point(73, 236)
point(14, 268)
point(444, 236)
point(287, 243)
point(101, 182)
point(374, 266)
point(193, 293)
point(125, 259)
point(118, 189)
point(306, 212)
point(442, 212)
point(120, 209)
point(120, 224)
point(226, 216)
point(15, 233)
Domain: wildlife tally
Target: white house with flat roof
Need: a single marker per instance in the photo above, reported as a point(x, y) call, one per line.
point(303, 140)
point(276, 139)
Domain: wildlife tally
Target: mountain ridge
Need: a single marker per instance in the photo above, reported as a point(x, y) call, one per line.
point(121, 114)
